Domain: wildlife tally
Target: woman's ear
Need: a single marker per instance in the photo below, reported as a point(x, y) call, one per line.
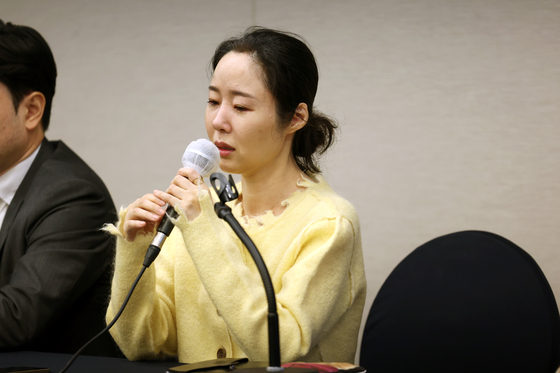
point(300, 118)
point(34, 106)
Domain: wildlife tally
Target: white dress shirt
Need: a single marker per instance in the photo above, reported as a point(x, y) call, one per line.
point(10, 181)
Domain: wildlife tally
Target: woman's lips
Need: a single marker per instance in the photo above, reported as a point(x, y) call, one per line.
point(224, 148)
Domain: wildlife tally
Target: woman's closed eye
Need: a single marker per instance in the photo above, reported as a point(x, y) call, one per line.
point(241, 108)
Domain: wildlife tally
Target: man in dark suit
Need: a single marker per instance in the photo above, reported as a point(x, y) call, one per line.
point(54, 260)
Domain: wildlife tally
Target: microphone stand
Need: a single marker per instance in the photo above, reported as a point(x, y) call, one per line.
point(227, 191)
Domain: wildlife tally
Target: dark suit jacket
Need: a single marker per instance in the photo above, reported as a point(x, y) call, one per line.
point(54, 261)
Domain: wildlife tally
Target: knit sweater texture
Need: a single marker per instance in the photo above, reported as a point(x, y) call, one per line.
point(203, 295)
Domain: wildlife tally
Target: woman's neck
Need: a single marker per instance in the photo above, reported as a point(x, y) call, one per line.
point(267, 190)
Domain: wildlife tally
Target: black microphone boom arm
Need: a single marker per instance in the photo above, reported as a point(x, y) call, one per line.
point(228, 192)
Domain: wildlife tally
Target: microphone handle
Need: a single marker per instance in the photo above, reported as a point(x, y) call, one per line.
point(163, 231)
point(166, 226)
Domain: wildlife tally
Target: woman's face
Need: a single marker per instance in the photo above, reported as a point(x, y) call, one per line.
point(241, 117)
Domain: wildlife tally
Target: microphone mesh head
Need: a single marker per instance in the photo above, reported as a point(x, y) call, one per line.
point(202, 156)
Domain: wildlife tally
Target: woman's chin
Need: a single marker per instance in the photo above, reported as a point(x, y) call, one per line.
point(228, 167)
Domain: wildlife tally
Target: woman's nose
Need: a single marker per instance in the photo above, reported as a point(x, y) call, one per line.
point(221, 121)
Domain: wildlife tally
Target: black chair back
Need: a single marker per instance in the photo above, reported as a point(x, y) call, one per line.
point(465, 302)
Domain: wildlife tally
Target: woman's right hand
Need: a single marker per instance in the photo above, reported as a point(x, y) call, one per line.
point(142, 216)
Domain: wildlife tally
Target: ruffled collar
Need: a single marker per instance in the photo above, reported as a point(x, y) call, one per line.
point(256, 222)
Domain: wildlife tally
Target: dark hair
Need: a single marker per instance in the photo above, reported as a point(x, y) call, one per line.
point(290, 74)
point(27, 65)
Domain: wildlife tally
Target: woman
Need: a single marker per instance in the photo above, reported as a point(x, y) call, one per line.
point(203, 297)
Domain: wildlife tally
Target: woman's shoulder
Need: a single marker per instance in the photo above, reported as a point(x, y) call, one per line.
point(327, 199)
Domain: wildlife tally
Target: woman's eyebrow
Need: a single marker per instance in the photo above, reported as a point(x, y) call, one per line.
point(235, 92)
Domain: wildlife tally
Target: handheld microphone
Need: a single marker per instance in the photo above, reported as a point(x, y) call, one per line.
point(203, 157)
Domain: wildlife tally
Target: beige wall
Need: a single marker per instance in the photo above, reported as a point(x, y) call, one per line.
point(450, 109)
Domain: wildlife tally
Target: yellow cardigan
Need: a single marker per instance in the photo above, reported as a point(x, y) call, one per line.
point(203, 297)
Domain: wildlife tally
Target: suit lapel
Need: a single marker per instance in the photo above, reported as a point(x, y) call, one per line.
point(44, 153)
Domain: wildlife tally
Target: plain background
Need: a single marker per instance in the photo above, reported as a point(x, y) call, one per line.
point(449, 109)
